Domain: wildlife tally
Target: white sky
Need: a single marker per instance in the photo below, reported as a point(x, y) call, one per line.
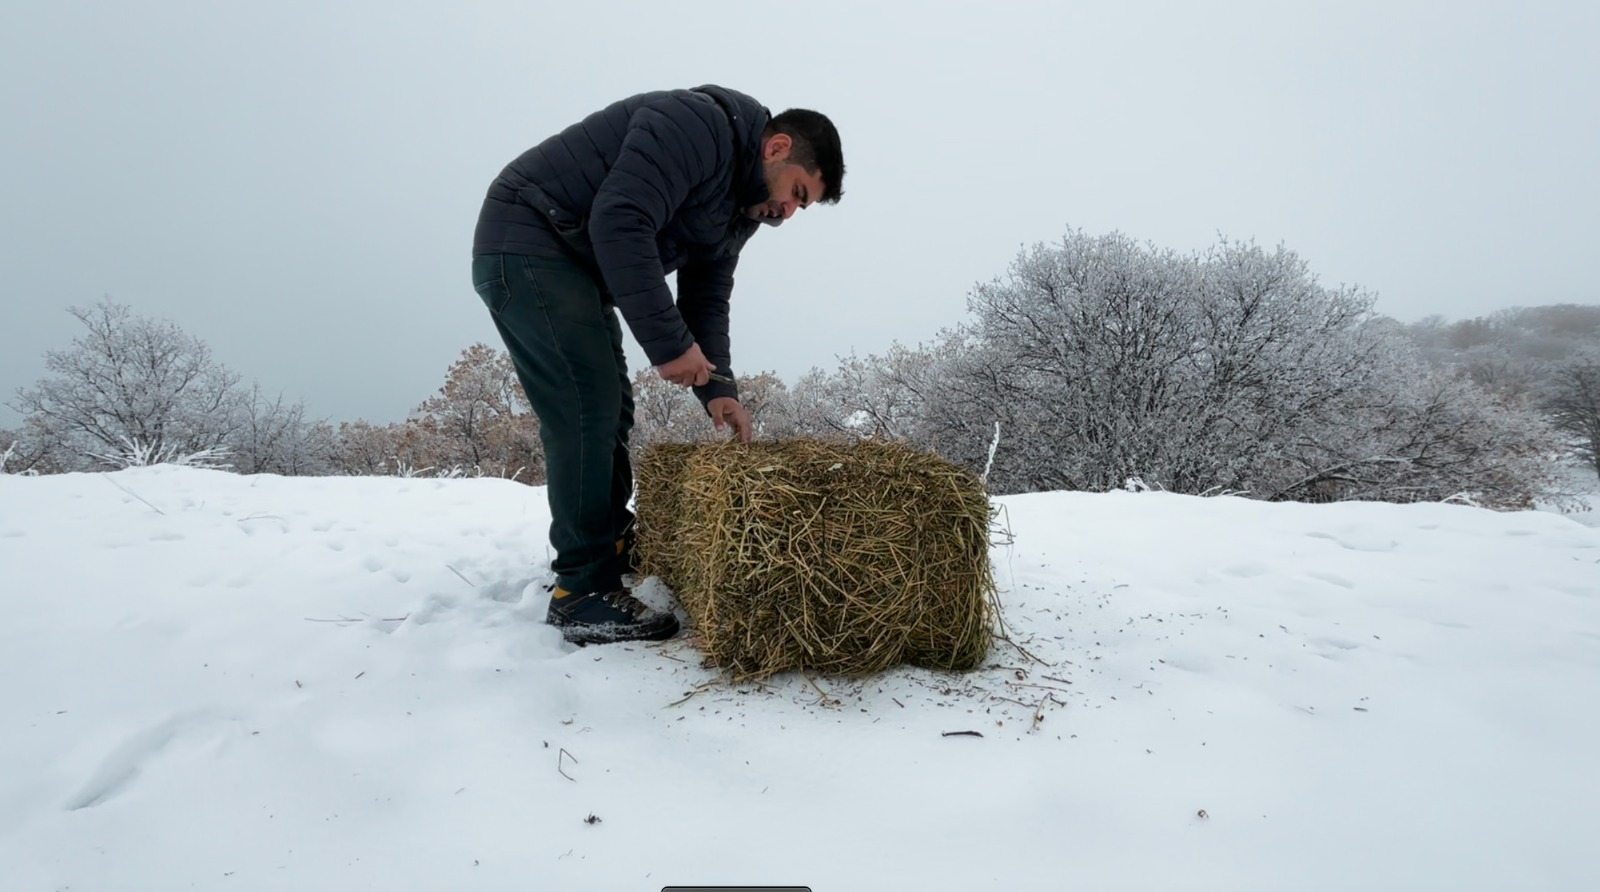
point(296, 182)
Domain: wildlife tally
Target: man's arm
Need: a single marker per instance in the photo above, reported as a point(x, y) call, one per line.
point(663, 156)
point(703, 292)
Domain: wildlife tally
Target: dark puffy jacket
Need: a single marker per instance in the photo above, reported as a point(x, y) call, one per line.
point(650, 185)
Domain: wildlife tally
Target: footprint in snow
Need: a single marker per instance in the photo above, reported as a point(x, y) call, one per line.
point(1358, 542)
point(435, 606)
point(1339, 647)
point(129, 759)
point(1331, 579)
point(508, 591)
point(1248, 570)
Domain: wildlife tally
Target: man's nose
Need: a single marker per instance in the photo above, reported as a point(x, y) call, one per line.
point(789, 208)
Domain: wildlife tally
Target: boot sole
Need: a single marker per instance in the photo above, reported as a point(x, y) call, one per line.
point(575, 634)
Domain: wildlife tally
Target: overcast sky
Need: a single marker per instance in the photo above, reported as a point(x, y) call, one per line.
point(296, 183)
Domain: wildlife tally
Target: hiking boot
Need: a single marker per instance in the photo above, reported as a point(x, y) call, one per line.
point(605, 617)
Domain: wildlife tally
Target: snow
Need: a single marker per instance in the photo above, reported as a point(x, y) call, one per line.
point(248, 683)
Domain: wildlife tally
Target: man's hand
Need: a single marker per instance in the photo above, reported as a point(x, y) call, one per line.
point(692, 369)
point(725, 410)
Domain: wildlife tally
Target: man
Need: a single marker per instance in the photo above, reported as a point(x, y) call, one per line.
point(590, 222)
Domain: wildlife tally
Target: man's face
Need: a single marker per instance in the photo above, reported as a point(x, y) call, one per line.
point(791, 187)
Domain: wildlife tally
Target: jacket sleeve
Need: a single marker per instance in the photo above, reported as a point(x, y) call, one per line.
point(703, 292)
point(663, 156)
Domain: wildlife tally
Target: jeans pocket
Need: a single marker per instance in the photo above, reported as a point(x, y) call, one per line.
point(489, 280)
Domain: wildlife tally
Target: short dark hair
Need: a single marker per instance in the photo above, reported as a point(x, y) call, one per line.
point(816, 147)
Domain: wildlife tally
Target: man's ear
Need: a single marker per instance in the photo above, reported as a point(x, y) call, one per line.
point(777, 147)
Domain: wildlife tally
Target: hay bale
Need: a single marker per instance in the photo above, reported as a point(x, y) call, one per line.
point(803, 554)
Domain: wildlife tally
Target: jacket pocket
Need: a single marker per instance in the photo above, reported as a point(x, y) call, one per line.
point(567, 224)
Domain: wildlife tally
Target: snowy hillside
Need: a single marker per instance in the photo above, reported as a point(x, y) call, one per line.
point(258, 683)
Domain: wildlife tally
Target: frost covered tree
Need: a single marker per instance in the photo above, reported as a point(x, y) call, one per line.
point(1418, 433)
point(480, 421)
point(30, 450)
point(666, 413)
point(663, 412)
point(364, 449)
point(14, 458)
point(131, 379)
point(1230, 370)
point(274, 436)
point(1574, 404)
point(477, 424)
point(1118, 360)
point(767, 399)
point(1529, 357)
point(1515, 352)
point(807, 409)
point(874, 396)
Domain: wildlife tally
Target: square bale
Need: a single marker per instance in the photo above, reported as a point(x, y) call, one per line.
point(811, 555)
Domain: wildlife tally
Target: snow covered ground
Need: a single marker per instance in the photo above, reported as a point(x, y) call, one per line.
point(256, 683)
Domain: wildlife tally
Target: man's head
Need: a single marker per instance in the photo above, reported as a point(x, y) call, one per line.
point(803, 164)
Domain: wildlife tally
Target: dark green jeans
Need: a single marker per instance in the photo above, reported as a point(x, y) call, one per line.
point(567, 349)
